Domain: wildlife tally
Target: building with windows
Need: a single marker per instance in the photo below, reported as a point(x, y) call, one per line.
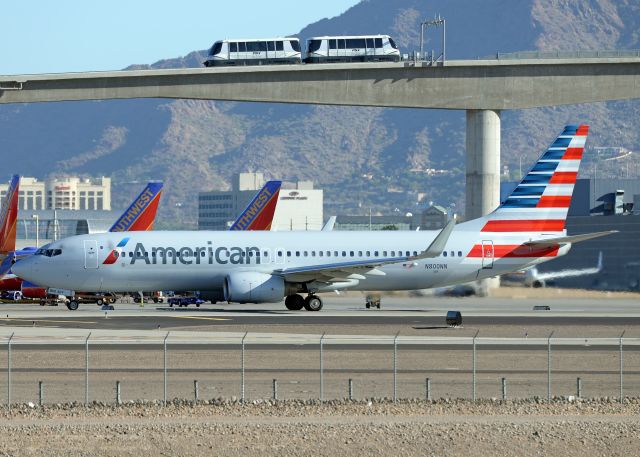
point(300, 206)
point(63, 194)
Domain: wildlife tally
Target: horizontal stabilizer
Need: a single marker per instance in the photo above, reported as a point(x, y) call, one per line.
point(568, 239)
point(438, 244)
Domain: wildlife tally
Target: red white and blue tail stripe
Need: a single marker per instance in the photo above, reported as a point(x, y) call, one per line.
point(540, 203)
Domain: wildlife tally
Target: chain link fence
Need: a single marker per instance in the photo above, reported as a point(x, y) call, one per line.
point(259, 366)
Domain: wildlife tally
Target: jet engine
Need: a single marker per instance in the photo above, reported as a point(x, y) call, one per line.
point(252, 287)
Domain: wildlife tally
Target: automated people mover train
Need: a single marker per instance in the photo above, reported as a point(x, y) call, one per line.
point(325, 49)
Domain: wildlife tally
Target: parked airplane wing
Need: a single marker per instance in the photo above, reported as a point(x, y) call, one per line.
point(568, 239)
point(364, 267)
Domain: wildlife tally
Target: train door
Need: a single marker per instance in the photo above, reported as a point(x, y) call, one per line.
point(332, 48)
point(371, 48)
point(342, 48)
point(90, 254)
point(487, 254)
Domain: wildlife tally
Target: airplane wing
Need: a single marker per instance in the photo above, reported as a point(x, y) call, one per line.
point(359, 269)
point(141, 215)
point(259, 214)
point(550, 242)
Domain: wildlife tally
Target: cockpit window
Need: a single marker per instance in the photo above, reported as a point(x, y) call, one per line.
point(48, 252)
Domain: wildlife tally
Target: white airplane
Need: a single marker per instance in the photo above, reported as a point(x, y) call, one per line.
point(265, 267)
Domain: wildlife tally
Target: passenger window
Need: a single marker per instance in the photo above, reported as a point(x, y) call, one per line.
point(131, 253)
point(271, 46)
point(233, 47)
point(459, 253)
point(384, 253)
point(279, 253)
point(313, 253)
point(279, 46)
point(335, 253)
point(378, 42)
point(453, 254)
point(375, 254)
point(368, 253)
point(369, 43)
point(359, 253)
point(320, 253)
point(288, 253)
point(262, 46)
point(306, 253)
point(444, 253)
point(407, 253)
point(333, 44)
point(415, 252)
point(341, 44)
point(393, 253)
point(351, 253)
point(297, 253)
point(266, 253)
point(242, 47)
point(344, 253)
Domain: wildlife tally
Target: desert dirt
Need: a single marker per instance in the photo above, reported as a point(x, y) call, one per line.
point(297, 428)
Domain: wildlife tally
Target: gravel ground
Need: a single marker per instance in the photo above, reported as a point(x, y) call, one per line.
point(292, 428)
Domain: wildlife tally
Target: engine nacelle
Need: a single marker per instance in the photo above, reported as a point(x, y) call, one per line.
point(252, 287)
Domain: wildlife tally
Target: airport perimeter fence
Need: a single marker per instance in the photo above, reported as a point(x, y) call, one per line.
point(245, 367)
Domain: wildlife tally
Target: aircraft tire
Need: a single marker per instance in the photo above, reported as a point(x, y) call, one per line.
point(312, 303)
point(43, 302)
point(72, 305)
point(294, 302)
point(99, 302)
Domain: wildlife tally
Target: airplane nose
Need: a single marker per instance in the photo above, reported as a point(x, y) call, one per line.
point(22, 268)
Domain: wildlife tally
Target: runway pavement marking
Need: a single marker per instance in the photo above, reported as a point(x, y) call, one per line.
point(4, 319)
point(203, 318)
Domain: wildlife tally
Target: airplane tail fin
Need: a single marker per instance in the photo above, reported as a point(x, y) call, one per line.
point(9, 217)
point(259, 214)
point(141, 215)
point(540, 202)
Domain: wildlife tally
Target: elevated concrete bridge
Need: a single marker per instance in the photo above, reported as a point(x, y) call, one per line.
point(481, 87)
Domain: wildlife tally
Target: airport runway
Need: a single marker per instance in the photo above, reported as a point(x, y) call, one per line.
point(346, 315)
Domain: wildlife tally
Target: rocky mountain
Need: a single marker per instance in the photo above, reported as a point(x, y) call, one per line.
point(364, 158)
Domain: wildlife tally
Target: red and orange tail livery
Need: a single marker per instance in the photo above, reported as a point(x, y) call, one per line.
point(540, 203)
point(259, 214)
point(9, 217)
point(141, 215)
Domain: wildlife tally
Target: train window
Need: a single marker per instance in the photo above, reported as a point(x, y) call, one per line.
point(242, 47)
point(378, 42)
point(356, 43)
point(271, 46)
point(295, 45)
point(333, 44)
point(341, 44)
point(314, 45)
point(370, 43)
point(262, 46)
point(216, 49)
point(252, 46)
point(233, 47)
point(392, 43)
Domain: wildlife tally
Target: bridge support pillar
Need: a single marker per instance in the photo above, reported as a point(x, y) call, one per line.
point(483, 172)
point(483, 163)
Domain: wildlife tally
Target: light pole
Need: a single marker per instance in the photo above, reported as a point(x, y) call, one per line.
point(37, 218)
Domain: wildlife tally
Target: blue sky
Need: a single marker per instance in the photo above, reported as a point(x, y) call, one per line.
point(42, 36)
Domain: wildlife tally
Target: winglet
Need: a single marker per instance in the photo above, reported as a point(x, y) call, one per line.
point(328, 226)
point(568, 239)
point(438, 244)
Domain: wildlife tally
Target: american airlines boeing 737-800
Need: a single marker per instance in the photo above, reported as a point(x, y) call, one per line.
point(260, 267)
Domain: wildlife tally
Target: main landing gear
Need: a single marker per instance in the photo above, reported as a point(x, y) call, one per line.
point(296, 302)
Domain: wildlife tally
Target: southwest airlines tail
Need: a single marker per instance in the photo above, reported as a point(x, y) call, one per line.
point(259, 214)
point(141, 215)
point(540, 203)
point(9, 217)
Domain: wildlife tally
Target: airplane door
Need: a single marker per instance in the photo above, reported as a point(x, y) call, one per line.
point(278, 255)
point(487, 254)
point(90, 254)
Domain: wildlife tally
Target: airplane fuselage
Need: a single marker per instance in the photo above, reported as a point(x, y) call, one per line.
point(201, 260)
